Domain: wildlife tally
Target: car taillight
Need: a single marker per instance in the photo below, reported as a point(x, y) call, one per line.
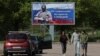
point(7, 45)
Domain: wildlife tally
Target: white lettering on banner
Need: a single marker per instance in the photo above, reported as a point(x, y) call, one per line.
point(60, 16)
point(61, 11)
point(55, 14)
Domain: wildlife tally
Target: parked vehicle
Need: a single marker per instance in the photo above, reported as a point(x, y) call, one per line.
point(17, 42)
point(35, 40)
point(39, 43)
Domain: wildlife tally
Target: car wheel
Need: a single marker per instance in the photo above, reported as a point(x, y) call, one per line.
point(33, 53)
point(41, 51)
point(29, 53)
point(11, 54)
point(5, 53)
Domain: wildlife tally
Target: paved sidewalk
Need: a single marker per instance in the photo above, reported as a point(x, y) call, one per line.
point(93, 50)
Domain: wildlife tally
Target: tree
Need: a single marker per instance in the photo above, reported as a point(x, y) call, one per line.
point(14, 15)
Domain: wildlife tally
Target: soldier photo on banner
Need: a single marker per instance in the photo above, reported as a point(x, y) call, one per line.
point(53, 13)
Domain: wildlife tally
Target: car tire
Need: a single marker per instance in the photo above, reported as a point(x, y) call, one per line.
point(41, 51)
point(29, 53)
point(11, 54)
point(5, 53)
point(33, 53)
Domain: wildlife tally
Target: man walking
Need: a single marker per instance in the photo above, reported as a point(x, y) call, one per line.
point(84, 42)
point(75, 39)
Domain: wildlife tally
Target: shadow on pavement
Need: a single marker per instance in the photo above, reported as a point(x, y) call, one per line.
point(26, 55)
point(38, 55)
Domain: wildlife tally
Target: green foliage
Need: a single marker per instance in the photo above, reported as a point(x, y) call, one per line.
point(14, 15)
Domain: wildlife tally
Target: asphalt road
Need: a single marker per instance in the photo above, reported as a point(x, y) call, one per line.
point(93, 50)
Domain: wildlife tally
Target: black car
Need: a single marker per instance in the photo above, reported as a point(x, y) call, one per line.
point(35, 40)
point(39, 43)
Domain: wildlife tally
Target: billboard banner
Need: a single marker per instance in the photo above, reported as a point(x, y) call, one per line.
point(53, 13)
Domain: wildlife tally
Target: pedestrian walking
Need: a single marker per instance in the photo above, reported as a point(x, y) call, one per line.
point(63, 40)
point(69, 35)
point(75, 39)
point(84, 42)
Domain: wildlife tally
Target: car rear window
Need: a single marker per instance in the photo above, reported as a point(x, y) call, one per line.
point(17, 36)
point(33, 37)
